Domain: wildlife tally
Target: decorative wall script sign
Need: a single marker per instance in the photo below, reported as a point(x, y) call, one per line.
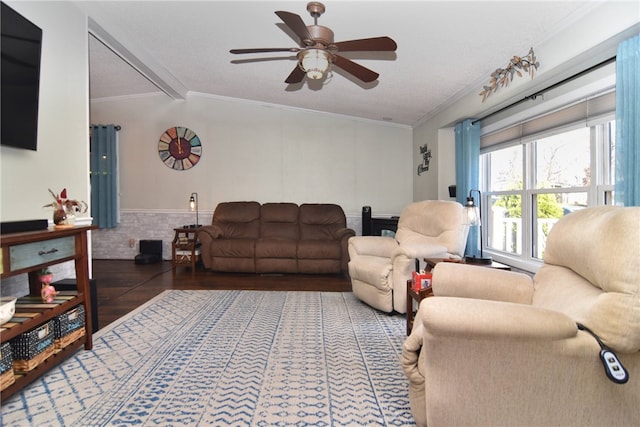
point(426, 158)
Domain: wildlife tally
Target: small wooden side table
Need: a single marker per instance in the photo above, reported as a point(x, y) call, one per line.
point(185, 249)
point(417, 296)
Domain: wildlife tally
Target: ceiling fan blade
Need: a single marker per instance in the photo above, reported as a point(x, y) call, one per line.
point(357, 70)
point(262, 50)
point(296, 75)
point(364, 45)
point(296, 24)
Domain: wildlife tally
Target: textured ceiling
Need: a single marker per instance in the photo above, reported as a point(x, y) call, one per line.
point(445, 48)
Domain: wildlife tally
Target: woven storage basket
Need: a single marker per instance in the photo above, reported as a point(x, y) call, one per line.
point(6, 366)
point(68, 322)
point(68, 339)
point(6, 358)
point(7, 379)
point(32, 347)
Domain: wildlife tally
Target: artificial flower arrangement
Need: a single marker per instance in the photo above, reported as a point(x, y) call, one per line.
point(64, 207)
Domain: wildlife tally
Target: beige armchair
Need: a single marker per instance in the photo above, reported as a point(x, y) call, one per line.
point(380, 266)
point(501, 348)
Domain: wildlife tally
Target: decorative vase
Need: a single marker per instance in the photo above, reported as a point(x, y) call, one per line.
point(59, 216)
point(71, 217)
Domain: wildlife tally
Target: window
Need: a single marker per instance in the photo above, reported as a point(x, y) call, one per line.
point(533, 181)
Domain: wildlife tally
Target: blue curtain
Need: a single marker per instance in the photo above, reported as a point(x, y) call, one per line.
point(104, 178)
point(468, 172)
point(628, 123)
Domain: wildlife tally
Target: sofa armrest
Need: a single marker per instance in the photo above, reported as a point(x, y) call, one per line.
point(344, 232)
point(372, 245)
point(468, 281)
point(209, 232)
point(343, 235)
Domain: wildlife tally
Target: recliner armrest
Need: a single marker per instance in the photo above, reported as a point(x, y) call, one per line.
point(372, 245)
point(468, 281)
point(484, 319)
point(415, 248)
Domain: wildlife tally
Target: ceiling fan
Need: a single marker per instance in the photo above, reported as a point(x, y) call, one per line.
point(318, 52)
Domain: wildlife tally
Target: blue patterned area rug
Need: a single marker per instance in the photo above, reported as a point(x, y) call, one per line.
point(240, 358)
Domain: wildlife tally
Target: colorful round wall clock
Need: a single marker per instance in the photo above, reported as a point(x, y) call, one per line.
point(179, 148)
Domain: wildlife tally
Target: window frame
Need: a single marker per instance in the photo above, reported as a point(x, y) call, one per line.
point(599, 191)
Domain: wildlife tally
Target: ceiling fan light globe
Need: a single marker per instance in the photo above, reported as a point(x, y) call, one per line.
point(314, 74)
point(315, 62)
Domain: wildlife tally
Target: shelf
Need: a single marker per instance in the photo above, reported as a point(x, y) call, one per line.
point(25, 379)
point(29, 252)
point(39, 313)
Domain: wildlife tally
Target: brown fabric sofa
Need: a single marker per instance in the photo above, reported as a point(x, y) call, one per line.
point(248, 237)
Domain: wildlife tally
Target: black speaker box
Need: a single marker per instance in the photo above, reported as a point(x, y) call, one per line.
point(452, 191)
point(71, 285)
point(151, 247)
point(366, 220)
point(147, 258)
point(7, 227)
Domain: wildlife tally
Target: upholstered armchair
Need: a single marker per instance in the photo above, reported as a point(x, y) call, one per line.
point(501, 348)
point(380, 266)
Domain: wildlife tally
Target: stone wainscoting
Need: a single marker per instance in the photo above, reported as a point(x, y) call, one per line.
point(123, 241)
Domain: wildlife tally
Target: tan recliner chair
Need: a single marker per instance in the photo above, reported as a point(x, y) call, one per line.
point(380, 266)
point(503, 349)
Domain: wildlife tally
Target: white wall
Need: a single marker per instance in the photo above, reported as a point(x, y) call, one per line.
point(586, 41)
point(253, 151)
point(62, 158)
point(63, 143)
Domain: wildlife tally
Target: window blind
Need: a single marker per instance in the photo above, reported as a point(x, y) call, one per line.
point(584, 111)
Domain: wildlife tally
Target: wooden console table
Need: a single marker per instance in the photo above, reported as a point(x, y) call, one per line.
point(28, 253)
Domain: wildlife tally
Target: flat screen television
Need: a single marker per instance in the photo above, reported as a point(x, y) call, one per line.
point(20, 74)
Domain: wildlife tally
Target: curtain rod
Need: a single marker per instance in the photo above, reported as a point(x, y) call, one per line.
point(117, 127)
point(548, 88)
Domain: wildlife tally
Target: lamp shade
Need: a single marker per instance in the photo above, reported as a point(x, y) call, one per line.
point(472, 218)
point(472, 213)
point(315, 62)
point(193, 206)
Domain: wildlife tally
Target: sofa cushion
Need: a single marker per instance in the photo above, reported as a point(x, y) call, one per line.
point(321, 221)
point(279, 220)
point(276, 248)
point(238, 220)
point(239, 248)
point(319, 249)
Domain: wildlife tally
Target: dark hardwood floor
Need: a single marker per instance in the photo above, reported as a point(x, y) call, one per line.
point(123, 285)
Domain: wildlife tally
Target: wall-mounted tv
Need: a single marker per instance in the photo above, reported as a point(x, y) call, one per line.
point(20, 74)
